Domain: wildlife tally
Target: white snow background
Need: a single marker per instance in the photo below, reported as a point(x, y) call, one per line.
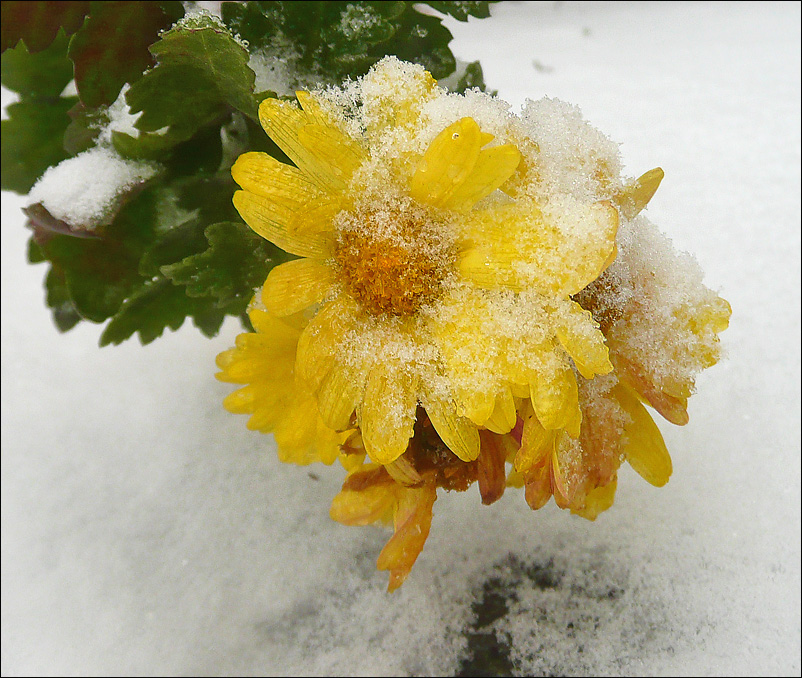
point(146, 531)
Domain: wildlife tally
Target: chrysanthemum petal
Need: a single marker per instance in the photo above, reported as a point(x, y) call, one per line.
point(642, 442)
point(283, 121)
point(276, 332)
point(519, 247)
point(458, 433)
point(370, 505)
point(515, 479)
point(403, 471)
point(237, 370)
point(491, 472)
point(555, 401)
point(316, 217)
point(314, 112)
point(412, 521)
point(504, 415)
point(340, 392)
point(295, 285)
point(583, 341)
point(493, 167)
point(536, 443)
point(265, 416)
point(673, 408)
point(562, 490)
point(318, 342)
point(537, 485)
point(637, 195)
point(598, 500)
point(341, 154)
point(263, 175)
point(387, 414)
point(302, 437)
point(447, 163)
point(260, 395)
point(272, 221)
point(325, 166)
point(476, 405)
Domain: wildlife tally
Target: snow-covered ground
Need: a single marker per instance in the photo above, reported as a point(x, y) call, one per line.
point(146, 531)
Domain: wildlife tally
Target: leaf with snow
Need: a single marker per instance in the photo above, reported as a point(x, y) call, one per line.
point(102, 269)
point(209, 47)
point(87, 191)
point(84, 128)
point(37, 23)
point(424, 40)
point(469, 76)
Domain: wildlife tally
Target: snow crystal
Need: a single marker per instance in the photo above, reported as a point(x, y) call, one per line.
point(572, 157)
point(120, 119)
point(84, 191)
point(356, 19)
point(278, 69)
point(200, 15)
point(491, 113)
point(652, 284)
point(70, 89)
point(194, 7)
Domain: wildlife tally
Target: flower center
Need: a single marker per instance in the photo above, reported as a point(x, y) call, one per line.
point(392, 262)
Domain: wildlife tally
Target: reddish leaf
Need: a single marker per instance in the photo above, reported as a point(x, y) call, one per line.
point(36, 23)
point(112, 47)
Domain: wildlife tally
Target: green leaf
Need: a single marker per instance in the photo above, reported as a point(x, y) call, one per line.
point(257, 22)
point(35, 255)
point(202, 73)
point(36, 23)
point(236, 262)
point(99, 274)
point(209, 47)
point(336, 40)
point(154, 307)
point(181, 241)
point(471, 77)
point(43, 74)
point(32, 141)
point(181, 213)
point(111, 49)
point(159, 305)
point(58, 299)
point(462, 9)
point(84, 128)
point(175, 102)
point(209, 320)
point(423, 39)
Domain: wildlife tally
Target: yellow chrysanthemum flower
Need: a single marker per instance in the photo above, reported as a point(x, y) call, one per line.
point(435, 328)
